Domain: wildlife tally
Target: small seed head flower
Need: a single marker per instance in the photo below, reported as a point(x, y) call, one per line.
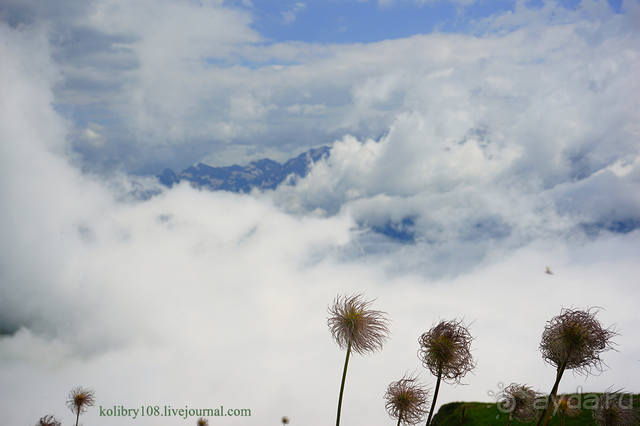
point(520, 401)
point(48, 420)
point(446, 350)
point(79, 399)
point(203, 422)
point(351, 321)
point(407, 400)
point(615, 409)
point(576, 339)
point(285, 420)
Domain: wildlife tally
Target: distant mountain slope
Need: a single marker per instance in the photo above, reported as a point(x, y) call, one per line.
point(262, 174)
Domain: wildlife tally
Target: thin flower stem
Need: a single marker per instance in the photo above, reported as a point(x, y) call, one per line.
point(399, 419)
point(435, 396)
point(78, 417)
point(344, 376)
point(544, 419)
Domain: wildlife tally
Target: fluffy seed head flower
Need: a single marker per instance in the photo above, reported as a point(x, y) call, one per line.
point(566, 405)
point(351, 321)
point(48, 420)
point(576, 338)
point(520, 401)
point(285, 420)
point(615, 408)
point(446, 350)
point(203, 422)
point(407, 399)
point(79, 399)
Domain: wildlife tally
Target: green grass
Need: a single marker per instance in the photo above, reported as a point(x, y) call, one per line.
point(487, 413)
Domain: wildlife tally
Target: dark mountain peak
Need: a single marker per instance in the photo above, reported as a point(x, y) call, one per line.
point(263, 173)
point(314, 154)
point(168, 178)
point(300, 164)
point(264, 163)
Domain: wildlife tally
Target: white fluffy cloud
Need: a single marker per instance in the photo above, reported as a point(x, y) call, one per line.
point(203, 298)
point(502, 140)
point(173, 82)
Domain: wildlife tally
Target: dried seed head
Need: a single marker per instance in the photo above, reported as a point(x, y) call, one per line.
point(566, 405)
point(520, 401)
point(48, 420)
point(285, 420)
point(79, 399)
point(407, 400)
point(446, 350)
point(576, 339)
point(350, 321)
point(615, 408)
point(203, 422)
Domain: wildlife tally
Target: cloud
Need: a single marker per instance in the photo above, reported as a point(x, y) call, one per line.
point(502, 140)
point(306, 109)
point(289, 16)
point(93, 135)
point(388, 3)
point(499, 149)
point(167, 92)
point(143, 83)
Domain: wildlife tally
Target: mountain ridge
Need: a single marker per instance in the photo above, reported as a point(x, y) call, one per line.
point(262, 174)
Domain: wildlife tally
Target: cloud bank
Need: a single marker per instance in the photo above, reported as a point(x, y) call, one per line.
point(499, 154)
point(173, 82)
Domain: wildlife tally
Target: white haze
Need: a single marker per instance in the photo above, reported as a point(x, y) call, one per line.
point(206, 298)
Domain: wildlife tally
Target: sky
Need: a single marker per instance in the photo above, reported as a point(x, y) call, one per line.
point(504, 136)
